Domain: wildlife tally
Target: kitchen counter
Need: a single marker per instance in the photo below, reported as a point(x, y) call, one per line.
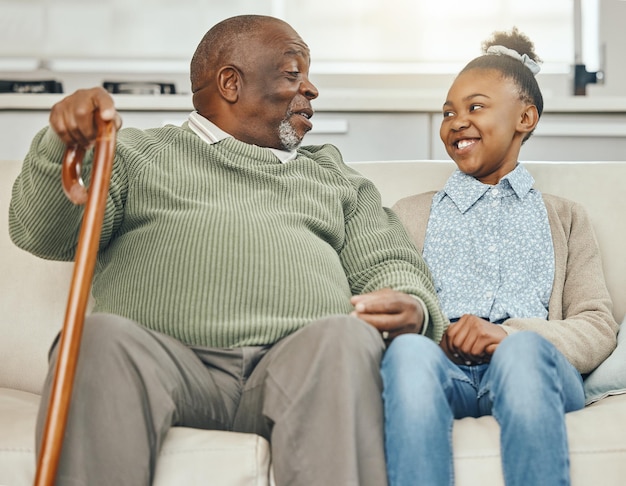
point(331, 100)
point(355, 119)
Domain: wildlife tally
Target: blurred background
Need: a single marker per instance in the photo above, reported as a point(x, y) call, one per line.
point(385, 57)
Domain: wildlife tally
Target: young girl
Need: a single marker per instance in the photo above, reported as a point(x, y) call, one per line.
point(519, 276)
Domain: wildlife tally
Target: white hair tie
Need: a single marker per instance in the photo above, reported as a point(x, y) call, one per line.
point(523, 58)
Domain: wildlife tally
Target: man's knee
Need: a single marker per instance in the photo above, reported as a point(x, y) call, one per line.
point(344, 334)
point(103, 337)
point(109, 330)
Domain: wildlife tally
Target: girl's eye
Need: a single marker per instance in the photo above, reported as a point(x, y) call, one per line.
point(447, 114)
point(475, 107)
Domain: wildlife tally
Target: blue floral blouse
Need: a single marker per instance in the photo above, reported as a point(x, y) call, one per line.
point(490, 248)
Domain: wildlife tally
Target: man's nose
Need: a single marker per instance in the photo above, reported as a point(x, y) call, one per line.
point(309, 89)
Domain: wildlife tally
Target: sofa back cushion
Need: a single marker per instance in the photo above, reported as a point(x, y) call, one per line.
point(598, 186)
point(33, 291)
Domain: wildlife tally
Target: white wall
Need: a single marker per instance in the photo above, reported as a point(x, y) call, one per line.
point(613, 40)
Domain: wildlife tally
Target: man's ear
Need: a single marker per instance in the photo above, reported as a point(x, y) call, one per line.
point(528, 119)
point(229, 83)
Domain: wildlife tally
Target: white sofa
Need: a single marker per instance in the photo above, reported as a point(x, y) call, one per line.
point(33, 294)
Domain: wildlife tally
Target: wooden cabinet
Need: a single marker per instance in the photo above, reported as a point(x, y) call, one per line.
point(373, 136)
point(377, 135)
point(361, 136)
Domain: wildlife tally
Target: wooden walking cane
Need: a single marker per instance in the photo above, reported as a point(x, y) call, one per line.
point(85, 260)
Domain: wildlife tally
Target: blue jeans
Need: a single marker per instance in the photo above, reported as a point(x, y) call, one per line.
point(528, 387)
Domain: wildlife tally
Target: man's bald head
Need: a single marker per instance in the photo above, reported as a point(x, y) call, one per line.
point(225, 43)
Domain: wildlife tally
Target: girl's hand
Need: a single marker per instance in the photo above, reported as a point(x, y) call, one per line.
point(472, 340)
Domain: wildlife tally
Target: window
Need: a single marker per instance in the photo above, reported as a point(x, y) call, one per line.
point(344, 35)
point(425, 35)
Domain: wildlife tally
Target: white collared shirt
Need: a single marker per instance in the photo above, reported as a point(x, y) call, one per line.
point(211, 133)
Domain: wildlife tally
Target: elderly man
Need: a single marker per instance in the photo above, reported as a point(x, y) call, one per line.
point(243, 282)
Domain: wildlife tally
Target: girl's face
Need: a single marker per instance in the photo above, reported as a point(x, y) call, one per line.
point(484, 122)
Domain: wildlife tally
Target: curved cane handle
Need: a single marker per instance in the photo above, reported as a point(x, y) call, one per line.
point(85, 260)
point(73, 184)
point(71, 177)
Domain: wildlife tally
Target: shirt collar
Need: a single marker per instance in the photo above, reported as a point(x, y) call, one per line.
point(210, 133)
point(464, 190)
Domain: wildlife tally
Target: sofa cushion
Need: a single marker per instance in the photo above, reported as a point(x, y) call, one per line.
point(199, 457)
point(610, 377)
point(596, 442)
point(33, 296)
point(18, 412)
point(188, 456)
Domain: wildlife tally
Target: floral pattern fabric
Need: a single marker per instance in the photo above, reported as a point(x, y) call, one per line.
point(490, 248)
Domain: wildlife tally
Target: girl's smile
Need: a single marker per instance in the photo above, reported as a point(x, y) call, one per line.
point(463, 145)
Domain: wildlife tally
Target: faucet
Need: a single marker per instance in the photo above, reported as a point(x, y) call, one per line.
point(582, 77)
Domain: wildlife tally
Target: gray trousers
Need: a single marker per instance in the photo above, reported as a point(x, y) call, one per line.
point(316, 395)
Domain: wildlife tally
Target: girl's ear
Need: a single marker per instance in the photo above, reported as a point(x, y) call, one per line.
point(229, 83)
point(529, 119)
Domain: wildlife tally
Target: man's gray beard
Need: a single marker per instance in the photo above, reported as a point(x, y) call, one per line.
point(288, 136)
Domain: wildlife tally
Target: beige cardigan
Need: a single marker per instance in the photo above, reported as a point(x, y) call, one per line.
point(580, 320)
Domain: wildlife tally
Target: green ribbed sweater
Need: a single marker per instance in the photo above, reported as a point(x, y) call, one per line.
point(222, 245)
